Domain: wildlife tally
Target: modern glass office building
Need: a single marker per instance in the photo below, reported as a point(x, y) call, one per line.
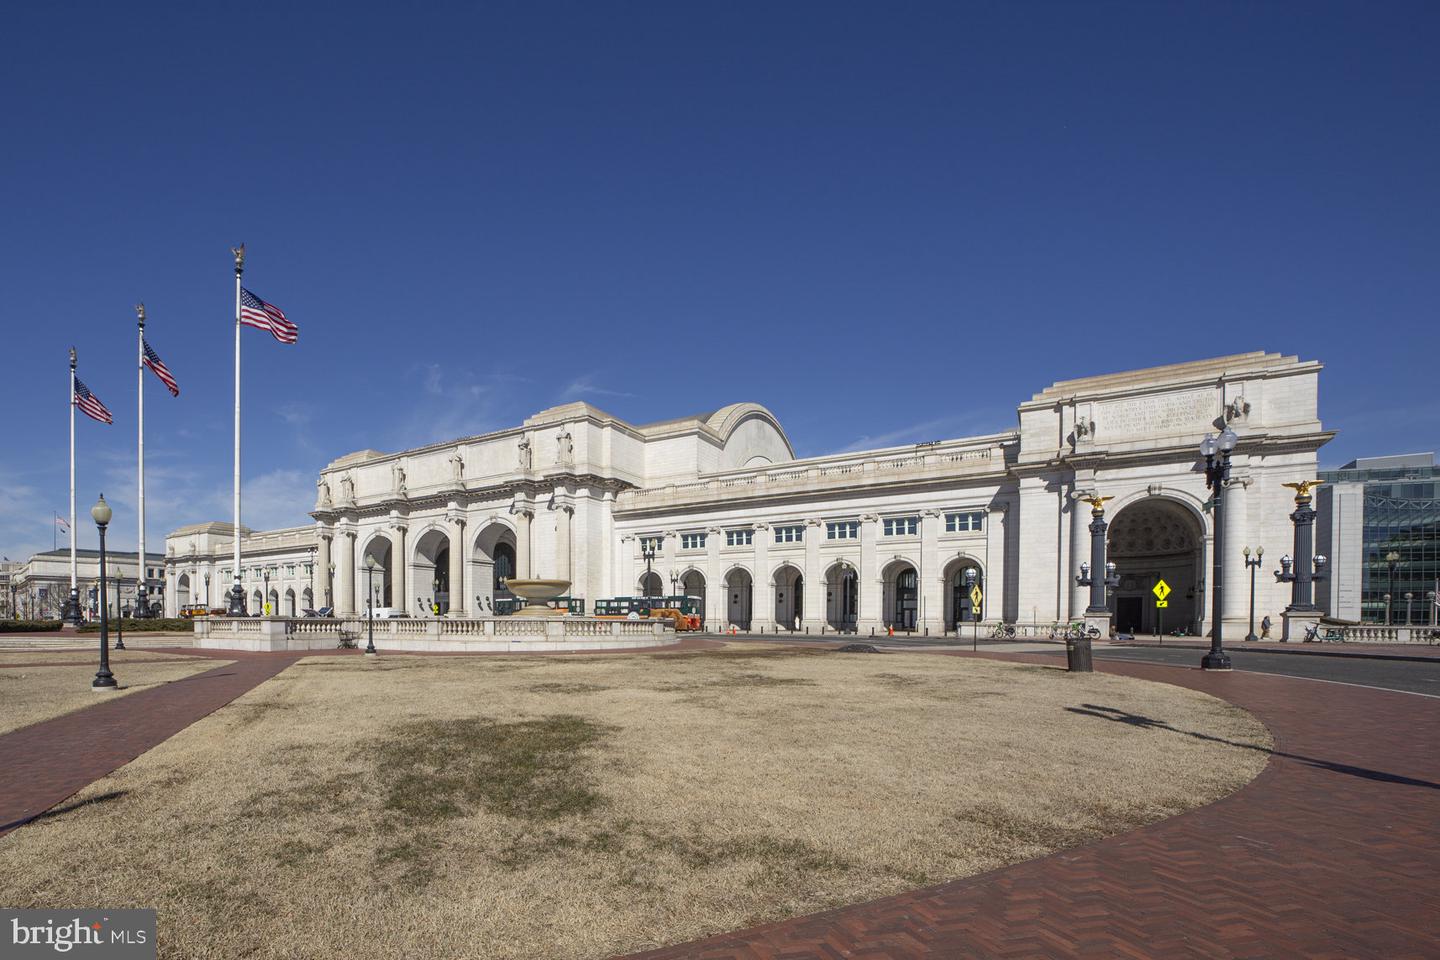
point(1379, 522)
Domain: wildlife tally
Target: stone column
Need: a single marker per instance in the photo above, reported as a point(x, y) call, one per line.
point(458, 598)
point(564, 515)
point(323, 581)
point(1079, 550)
point(345, 566)
point(1235, 591)
point(816, 611)
point(762, 605)
point(931, 575)
point(524, 513)
point(399, 571)
point(717, 596)
point(994, 588)
point(872, 591)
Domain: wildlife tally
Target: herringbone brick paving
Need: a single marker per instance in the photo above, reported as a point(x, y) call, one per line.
point(1332, 852)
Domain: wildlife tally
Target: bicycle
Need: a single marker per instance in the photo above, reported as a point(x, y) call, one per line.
point(1003, 631)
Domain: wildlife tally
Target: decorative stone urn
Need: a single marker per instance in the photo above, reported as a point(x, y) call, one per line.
point(537, 594)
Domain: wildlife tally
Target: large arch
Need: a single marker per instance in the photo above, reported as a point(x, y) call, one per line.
point(650, 585)
point(739, 590)
point(382, 551)
point(901, 579)
point(182, 592)
point(289, 608)
point(692, 584)
point(789, 583)
point(1150, 539)
point(842, 596)
point(257, 602)
point(959, 609)
point(307, 599)
point(431, 565)
point(492, 562)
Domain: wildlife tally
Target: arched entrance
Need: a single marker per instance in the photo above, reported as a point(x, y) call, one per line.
point(290, 602)
point(491, 563)
point(739, 589)
point(959, 608)
point(182, 592)
point(307, 600)
point(902, 595)
point(382, 580)
point(257, 603)
point(692, 584)
point(789, 597)
point(842, 597)
point(432, 572)
point(1148, 540)
point(273, 603)
point(650, 585)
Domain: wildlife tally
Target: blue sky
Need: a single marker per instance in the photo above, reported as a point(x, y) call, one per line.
point(887, 222)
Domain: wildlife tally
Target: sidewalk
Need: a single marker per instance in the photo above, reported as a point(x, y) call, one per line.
point(1332, 852)
point(1422, 652)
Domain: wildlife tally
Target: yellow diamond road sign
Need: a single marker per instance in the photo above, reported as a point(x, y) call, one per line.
point(1161, 590)
point(976, 596)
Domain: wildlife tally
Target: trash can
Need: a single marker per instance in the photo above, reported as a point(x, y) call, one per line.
point(1077, 655)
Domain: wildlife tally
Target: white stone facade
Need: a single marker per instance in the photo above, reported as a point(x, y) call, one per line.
point(856, 541)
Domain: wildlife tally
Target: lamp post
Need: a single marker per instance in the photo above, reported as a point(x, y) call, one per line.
point(647, 550)
point(1253, 563)
point(312, 578)
point(971, 575)
point(265, 597)
point(370, 566)
point(119, 618)
point(207, 593)
point(674, 584)
point(104, 679)
point(329, 603)
point(1392, 560)
point(1216, 451)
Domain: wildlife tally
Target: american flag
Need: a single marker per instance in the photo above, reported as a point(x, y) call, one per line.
point(90, 404)
point(255, 312)
point(153, 361)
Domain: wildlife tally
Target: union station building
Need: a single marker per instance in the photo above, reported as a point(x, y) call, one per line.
point(850, 542)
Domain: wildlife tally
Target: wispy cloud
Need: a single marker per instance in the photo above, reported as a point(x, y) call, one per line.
point(937, 428)
point(586, 386)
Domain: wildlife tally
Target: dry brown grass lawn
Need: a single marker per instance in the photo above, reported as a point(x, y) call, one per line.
point(31, 694)
point(582, 807)
point(91, 654)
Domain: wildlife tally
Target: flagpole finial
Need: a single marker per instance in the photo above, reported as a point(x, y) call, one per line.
point(140, 311)
point(239, 258)
point(72, 358)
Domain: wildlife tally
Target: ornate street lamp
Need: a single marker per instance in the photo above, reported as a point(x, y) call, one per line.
point(207, 593)
point(647, 550)
point(328, 601)
point(265, 597)
point(370, 566)
point(1216, 451)
point(104, 679)
point(1253, 563)
point(119, 618)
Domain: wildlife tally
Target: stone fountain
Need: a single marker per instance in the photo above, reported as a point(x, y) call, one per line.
point(537, 595)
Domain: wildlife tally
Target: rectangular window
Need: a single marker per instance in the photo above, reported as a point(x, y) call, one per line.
point(651, 544)
point(739, 538)
point(843, 530)
point(692, 541)
point(901, 526)
point(795, 533)
point(961, 522)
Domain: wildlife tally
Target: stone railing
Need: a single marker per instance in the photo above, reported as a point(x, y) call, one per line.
point(864, 470)
point(1375, 633)
point(437, 633)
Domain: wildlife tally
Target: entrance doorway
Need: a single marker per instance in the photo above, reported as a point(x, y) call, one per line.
point(1151, 540)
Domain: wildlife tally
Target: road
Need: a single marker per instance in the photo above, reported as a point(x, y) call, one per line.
point(1403, 675)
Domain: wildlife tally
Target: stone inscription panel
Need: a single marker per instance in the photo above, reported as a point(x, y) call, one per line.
point(1161, 415)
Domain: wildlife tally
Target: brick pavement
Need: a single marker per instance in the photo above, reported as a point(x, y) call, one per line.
point(1383, 651)
point(1332, 852)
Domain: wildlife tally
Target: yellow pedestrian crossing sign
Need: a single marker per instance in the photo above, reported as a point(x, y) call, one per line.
point(976, 596)
point(1161, 590)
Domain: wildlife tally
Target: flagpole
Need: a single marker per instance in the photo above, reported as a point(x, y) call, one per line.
point(237, 592)
point(142, 608)
point(71, 612)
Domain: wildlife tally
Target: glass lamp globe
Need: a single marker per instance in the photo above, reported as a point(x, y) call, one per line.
point(101, 512)
point(1209, 445)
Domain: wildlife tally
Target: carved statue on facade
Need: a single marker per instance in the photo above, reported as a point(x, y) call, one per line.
point(457, 467)
point(565, 448)
point(397, 475)
point(523, 450)
point(347, 487)
point(1084, 429)
point(1237, 409)
point(323, 491)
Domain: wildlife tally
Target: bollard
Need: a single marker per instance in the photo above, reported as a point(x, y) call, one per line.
point(1077, 655)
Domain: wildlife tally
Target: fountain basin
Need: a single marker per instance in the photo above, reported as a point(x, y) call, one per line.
point(537, 594)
